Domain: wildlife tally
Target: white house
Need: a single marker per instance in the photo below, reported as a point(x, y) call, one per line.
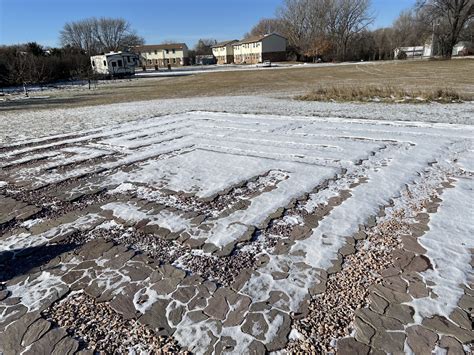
point(224, 51)
point(411, 52)
point(426, 51)
point(114, 63)
point(258, 49)
point(162, 55)
point(463, 48)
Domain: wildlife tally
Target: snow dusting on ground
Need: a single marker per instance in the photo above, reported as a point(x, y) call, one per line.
point(219, 228)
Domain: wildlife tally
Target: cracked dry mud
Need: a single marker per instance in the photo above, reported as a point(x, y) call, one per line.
point(220, 233)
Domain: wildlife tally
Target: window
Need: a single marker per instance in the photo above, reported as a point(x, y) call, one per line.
point(174, 51)
point(93, 63)
point(156, 52)
point(167, 51)
point(105, 63)
point(114, 64)
point(120, 63)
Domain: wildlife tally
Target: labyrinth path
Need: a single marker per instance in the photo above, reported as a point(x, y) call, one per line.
point(214, 232)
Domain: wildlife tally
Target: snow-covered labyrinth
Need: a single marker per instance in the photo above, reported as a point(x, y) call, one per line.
point(214, 232)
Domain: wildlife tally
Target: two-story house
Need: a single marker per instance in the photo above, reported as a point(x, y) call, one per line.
point(162, 55)
point(224, 52)
point(258, 49)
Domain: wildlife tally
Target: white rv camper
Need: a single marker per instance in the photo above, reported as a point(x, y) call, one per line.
point(114, 64)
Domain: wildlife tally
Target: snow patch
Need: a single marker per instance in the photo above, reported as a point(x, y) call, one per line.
point(448, 244)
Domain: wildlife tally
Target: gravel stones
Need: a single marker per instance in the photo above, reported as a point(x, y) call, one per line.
point(136, 285)
point(100, 328)
point(370, 282)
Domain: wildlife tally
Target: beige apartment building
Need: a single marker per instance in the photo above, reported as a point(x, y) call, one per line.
point(258, 49)
point(224, 52)
point(162, 55)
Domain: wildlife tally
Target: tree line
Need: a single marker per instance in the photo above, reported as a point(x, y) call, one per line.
point(32, 63)
point(340, 29)
point(334, 30)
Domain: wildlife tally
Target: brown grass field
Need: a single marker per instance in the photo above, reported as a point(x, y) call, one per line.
point(455, 76)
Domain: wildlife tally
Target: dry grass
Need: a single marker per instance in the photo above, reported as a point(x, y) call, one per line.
point(411, 75)
point(385, 94)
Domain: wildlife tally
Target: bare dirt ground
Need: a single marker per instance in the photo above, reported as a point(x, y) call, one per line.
point(410, 75)
point(300, 227)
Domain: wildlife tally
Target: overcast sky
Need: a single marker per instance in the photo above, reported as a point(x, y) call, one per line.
point(156, 20)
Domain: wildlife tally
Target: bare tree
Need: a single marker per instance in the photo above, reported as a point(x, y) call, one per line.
point(348, 18)
point(204, 46)
point(410, 29)
point(332, 23)
point(305, 23)
point(295, 21)
point(99, 35)
point(468, 32)
point(265, 26)
point(80, 34)
point(448, 18)
point(384, 42)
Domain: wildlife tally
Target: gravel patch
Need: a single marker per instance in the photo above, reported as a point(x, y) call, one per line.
point(100, 329)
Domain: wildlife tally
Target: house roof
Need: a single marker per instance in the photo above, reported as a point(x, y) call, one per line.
point(109, 54)
point(225, 43)
point(253, 39)
point(410, 49)
point(157, 47)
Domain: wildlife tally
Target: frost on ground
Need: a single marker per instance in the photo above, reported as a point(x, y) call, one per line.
point(226, 232)
point(19, 125)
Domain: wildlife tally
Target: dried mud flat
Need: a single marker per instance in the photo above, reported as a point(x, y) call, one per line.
point(225, 233)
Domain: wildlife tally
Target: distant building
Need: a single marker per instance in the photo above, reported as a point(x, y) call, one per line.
point(411, 52)
point(426, 51)
point(202, 59)
point(162, 55)
point(224, 51)
point(463, 48)
point(114, 64)
point(258, 49)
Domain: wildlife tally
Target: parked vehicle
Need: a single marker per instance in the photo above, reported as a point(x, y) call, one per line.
point(264, 64)
point(114, 64)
